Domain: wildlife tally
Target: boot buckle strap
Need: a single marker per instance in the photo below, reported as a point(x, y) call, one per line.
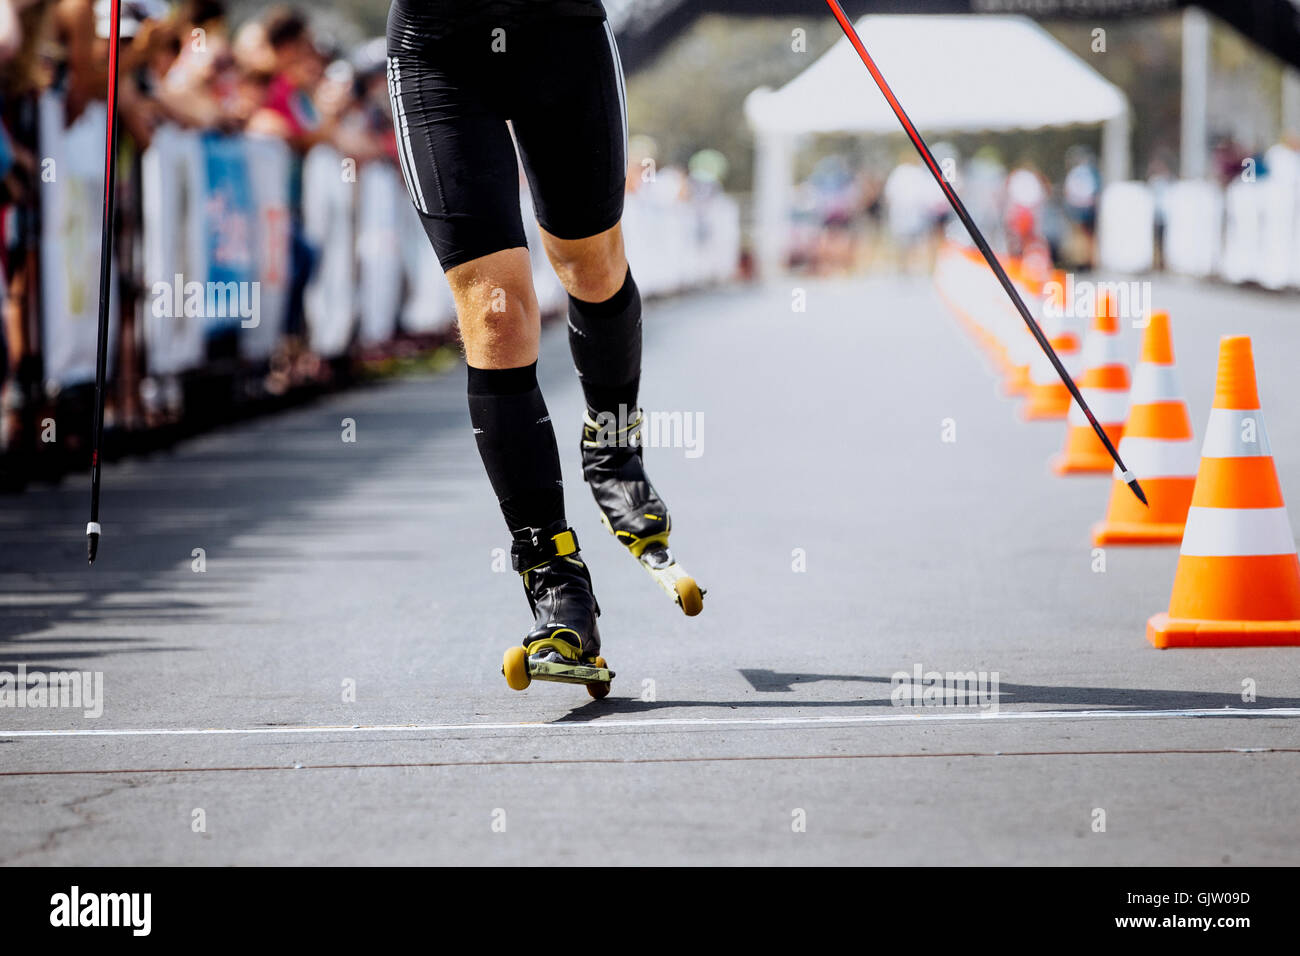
point(526, 555)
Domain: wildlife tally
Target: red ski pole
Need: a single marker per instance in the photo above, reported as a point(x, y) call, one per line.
point(960, 209)
point(105, 282)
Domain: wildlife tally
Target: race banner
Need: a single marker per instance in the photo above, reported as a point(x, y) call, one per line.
point(379, 257)
point(230, 296)
point(1243, 232)
point(1193, 227)
point(1126, 227)
point(270, 160)
point(175, 244)
point(72, 199)
point(327, 214)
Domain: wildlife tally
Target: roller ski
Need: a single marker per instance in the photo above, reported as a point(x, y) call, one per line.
point(630, 507)
point(564, 644)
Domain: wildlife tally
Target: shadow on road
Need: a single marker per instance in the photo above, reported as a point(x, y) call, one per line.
point(209, 493)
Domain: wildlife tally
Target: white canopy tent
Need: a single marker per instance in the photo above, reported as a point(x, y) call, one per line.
point(952, 74)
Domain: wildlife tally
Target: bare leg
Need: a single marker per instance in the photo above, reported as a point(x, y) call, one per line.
point(591, 269)
point(496, 309)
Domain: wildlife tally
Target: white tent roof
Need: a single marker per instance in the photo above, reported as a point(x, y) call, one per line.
point(951, 73)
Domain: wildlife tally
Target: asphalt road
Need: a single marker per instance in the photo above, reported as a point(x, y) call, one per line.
point(840, 539)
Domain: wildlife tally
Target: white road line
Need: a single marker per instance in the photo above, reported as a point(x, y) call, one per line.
point(601, 724)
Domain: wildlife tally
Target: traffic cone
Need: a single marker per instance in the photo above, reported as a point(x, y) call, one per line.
point(1158, 448)
point(1048, 398)
point(1104, 386)
point(1020, 344)
point(1238, 577)
point(957, 282)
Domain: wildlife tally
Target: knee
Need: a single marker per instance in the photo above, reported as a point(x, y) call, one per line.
point(496, 310)
point(493, 303)
point(499, 323)
point(590, 269)
point(494, 290)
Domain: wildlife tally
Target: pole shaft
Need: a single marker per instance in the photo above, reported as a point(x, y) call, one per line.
point(105, 263)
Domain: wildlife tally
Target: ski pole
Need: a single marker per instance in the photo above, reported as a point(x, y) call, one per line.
point(960, 209)
point(93, 529)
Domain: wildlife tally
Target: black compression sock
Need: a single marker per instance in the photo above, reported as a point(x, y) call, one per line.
point(605, 339)
point(517, 444)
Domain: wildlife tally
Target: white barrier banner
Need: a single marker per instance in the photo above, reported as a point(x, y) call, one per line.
point(269, 161)
point(216, 246)
point(1193, 228)
point(327, 215)
point(72, 214)
point(1243, 232)
point(175, 244)
point(1126, 228)
point(379, 256)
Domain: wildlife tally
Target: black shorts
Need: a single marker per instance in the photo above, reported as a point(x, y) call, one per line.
point(558, 82)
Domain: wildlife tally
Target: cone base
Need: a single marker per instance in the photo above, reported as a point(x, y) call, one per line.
point(1017, 383)
point(1082, 466)
point(1039, 413)
point(1164, 631)
point(1130, 532)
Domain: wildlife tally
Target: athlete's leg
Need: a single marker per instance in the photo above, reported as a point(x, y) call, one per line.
point(496, 309)
point(572, 135)
point(460, 168)
point(591, 269)
point(604, 319)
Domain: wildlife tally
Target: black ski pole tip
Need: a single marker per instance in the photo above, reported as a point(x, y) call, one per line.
point(1136, 488)
point(92, 541)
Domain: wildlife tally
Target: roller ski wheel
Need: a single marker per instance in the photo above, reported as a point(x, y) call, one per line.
point(655, 556)
point(515, 667)
point(599, 690)
point(564, 643)
point(689, 596)
point(543, 661)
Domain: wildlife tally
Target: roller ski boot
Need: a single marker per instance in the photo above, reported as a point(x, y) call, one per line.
point(630, 507)
point(564, 644)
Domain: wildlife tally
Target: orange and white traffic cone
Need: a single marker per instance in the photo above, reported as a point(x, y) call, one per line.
point(958, 281)
point(1158, 448)
point(1104, 387)
point(1238, 577)
point(1048, 398)
point(1019, 343)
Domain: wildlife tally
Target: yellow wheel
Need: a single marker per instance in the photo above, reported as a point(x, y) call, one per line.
point(688, 596)
point(515, 667)
point(599, 691)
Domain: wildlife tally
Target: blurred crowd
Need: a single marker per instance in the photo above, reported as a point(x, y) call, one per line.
point(852, 215)
point(180, 65)
point(849, 218)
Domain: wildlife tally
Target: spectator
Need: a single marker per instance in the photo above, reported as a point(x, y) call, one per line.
point(1160, 176)
point(25, 27)
point(910, 200)
point(984, 191)
point(1027, 192)
point(290, 112)
point(197, 86)
point(1081, 190)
